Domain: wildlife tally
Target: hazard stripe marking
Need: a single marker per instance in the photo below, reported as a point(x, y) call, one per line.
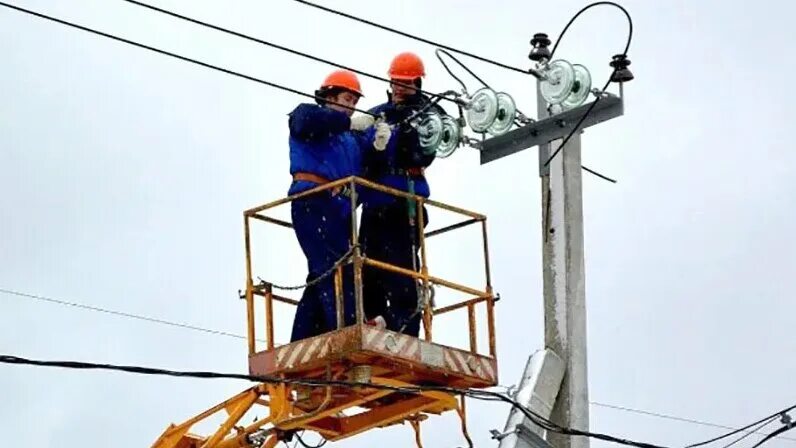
point(370, 335)
point(413, 349)
point(294, 354)
point(310, 351)
point(490, 371)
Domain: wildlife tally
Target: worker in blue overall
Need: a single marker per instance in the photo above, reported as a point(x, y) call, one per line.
point(327, 144)
point(390, 229)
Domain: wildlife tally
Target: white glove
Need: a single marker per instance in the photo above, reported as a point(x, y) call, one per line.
point(362, 122)
point(383, 133)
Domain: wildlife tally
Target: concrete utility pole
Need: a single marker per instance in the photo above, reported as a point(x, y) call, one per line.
point(564, 283)
point(563, 257)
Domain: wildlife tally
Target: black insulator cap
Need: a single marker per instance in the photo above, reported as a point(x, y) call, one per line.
point(621, 73)
point(540, 50)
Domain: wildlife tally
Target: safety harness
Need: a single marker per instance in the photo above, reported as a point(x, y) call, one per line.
point(320, 180)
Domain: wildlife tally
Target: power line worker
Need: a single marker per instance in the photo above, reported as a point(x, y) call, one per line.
point(389, 230)
point(326, 145)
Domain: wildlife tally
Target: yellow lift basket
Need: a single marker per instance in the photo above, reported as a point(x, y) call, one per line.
point(375, 359)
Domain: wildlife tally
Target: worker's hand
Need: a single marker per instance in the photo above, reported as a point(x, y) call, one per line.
point(383, 133)
point(362, 122)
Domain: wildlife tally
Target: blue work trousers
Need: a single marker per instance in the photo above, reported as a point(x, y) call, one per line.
point(322, 224)
point(387, 235)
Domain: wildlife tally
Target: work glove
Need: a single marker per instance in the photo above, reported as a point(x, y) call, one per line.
point(362, 122)
point(383, 132)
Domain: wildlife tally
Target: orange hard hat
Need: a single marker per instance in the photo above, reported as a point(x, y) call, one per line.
point(343, 79)
point(407, 66)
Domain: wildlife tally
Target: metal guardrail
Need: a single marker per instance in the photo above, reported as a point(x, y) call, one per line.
point(265, 290)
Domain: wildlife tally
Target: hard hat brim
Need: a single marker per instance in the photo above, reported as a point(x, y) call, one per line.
point(406, 77)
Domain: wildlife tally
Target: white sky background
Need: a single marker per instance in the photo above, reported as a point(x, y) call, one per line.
point(124, 174)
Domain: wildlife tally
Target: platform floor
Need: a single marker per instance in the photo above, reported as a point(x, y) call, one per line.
point(389, 355)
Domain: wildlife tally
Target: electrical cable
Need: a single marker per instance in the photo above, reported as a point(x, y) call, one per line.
point(584, 9)
point(121, 313)
point(237, 336)
point(578, 124)
point(440, 51)
point(572, 20)
point(575, 432)
point(476, 394)
point(238, 74)
point(739, 430)
point(411, 36)
point(450, 72)
point(278, 47)
point(305, 445)
point(472, 393)
point(139, 370)
point(750, 432)
point(675, 418)
point(779, 431)
point(223, 333)
point(177, 56)
point(600, 175)
point(484, 83)
point(624, 53)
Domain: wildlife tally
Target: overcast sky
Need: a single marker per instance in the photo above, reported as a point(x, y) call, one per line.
point(124, 175)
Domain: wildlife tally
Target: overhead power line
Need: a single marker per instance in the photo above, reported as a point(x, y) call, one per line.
point(471, 393)
point(595, 173)
point(751, 431)
point(120, 313)
point(279, 47)
point(586, 8)
point(576, 129)
point(679, 419)
point(484, 83)
point(332, 63)
point(610, 78)
point(288, 89)
point(496, 63)
point(262, 81)
point(776, 433)
point(745, 428)
point(174, 55)
point(411, 36)
point(182, 325)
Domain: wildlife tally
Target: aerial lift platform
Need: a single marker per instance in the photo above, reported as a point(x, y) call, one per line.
point(357, 377)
